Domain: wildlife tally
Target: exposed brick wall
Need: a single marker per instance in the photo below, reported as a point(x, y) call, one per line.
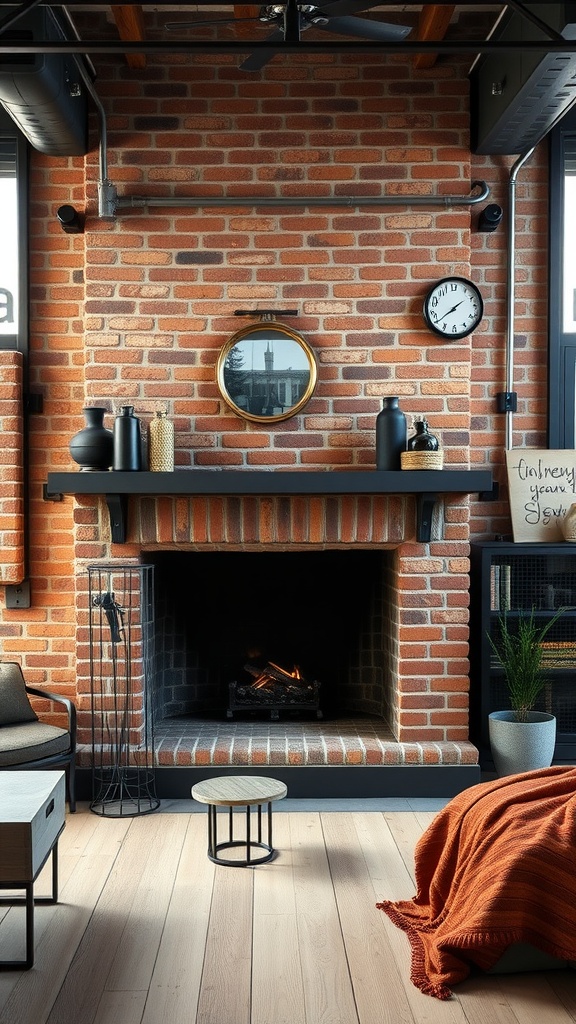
point(12, 556)
point(136, 311)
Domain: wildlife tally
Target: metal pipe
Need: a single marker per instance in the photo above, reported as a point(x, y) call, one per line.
point(105, 187)
point(84, 64)
point(396, 47)
point(193, 4)
point(137, 202)
point(511, 285)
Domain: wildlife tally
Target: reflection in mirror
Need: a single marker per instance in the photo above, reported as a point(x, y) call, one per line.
point(266, 372)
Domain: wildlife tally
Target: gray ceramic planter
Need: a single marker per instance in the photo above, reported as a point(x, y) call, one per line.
point(521, 746)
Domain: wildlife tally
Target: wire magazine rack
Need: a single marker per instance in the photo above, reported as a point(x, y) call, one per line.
point(121, 608)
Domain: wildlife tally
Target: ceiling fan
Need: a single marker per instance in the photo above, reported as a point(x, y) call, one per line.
point(292, 18)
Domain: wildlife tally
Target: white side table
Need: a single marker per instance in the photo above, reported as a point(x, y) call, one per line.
point(32, 816)
point(239, 791)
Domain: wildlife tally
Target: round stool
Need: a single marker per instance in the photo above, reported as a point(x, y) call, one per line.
point(239, 791)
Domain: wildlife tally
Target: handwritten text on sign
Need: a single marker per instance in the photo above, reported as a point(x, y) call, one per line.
point(542, 486)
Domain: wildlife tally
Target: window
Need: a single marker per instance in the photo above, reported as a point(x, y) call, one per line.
point(562, 288)
point(14, 248)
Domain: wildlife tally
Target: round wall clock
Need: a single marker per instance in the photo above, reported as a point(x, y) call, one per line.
point(453, 308)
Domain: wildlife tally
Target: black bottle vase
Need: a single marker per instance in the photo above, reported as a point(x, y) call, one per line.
point(93, 446)
point(127, 441)
point(422, 440)
point(391, 433)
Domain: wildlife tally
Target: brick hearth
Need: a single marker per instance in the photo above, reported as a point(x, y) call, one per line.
point(187, 742)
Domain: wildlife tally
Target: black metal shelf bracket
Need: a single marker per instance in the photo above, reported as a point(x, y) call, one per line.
point(118, 512)
point(424, 512)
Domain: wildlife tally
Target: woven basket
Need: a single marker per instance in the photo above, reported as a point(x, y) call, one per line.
point(422, 460)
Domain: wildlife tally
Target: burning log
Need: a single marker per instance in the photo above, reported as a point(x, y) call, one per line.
point(273, 673)
point(274, 688)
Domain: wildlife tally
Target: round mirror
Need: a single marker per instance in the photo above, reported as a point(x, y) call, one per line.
point(266, 372)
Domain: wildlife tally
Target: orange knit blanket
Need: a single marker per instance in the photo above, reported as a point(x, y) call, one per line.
point(495, 867)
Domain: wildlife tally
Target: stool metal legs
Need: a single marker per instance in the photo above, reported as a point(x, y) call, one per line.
point(214, 846)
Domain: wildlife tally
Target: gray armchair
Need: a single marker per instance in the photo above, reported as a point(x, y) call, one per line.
point(25, 741)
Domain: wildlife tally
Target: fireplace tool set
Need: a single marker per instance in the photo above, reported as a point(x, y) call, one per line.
point(121, 664)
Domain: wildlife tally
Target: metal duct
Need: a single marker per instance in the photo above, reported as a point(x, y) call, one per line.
point(518, 95)
point(44, 93)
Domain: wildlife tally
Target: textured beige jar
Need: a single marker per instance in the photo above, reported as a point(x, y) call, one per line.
point(161, 444)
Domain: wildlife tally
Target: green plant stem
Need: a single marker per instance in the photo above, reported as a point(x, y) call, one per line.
point(520, 654)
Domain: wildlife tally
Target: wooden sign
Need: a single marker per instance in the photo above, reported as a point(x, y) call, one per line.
point(542, 486)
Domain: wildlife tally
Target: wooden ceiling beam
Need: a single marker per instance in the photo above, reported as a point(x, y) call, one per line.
point(244, 30)
point(433, 24)
point(130, 24)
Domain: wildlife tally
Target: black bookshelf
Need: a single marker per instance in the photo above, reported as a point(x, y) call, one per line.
point(513, 578)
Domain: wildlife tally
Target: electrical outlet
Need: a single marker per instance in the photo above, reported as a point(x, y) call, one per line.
point(18, 595)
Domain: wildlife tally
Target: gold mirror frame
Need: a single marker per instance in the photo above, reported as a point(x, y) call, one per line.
point(266, 372)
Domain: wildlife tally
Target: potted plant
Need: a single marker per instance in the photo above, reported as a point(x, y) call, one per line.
point(522, 739)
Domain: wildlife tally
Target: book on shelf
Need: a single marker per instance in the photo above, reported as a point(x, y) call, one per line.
point(505, 587)
point(500, 588)
point(558, 653)
point(495, 588)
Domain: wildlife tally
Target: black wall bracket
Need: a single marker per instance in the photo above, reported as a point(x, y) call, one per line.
point(491, 495)
point(118, 512)
point(17, 595)
point(424, 511)
point(51, 496)
point(507, 401)
point(33, 402)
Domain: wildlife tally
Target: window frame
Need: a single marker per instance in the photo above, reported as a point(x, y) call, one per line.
point(19, 340)
point(561, 344)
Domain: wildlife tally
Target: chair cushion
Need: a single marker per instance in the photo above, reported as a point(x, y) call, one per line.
point(30, 741)
point(14, 703)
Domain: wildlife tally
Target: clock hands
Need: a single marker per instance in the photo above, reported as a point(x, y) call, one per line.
point(451, 310)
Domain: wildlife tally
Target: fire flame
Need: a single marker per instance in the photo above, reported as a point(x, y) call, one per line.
point(265, 678)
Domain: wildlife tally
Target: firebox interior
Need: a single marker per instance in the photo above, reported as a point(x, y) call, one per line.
point(326, 616)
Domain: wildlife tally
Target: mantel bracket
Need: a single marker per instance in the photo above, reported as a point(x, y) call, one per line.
point(425, 503)
point(118, 512)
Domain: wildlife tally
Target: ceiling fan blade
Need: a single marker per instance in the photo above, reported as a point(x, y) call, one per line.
point(365, 29)
point(256, 61)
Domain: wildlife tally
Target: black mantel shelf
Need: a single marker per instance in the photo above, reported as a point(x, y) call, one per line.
point(425, 484)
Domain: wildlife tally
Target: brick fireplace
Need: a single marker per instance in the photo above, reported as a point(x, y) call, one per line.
point(380, 626)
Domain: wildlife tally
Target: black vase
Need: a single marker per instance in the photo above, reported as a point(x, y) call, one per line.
point(390, 435)
point(422, 440)
point(127, 441)
point(93, 446)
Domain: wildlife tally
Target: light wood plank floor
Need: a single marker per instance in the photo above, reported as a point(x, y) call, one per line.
point(149, 931)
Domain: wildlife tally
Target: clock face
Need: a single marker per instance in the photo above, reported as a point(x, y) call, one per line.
point(453, 308)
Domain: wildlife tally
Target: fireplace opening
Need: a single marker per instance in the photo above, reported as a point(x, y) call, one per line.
point(324, 617)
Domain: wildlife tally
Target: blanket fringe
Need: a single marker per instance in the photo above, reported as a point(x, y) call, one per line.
point(418, 975)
